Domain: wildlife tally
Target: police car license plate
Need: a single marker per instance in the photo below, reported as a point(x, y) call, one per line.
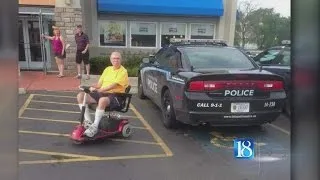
point(240, 107)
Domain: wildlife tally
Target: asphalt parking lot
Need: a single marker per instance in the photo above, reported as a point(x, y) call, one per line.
point(47, 118)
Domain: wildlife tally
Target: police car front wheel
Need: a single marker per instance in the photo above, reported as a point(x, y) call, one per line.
point(169, 119)
point(140, 89)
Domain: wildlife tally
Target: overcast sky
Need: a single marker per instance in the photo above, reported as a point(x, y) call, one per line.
point(280, 6)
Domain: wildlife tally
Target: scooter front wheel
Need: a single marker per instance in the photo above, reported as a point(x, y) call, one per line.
point(127, 130)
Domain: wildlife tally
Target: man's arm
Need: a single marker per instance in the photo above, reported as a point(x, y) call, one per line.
point(113, 85)
point(63, 45)
point(98, 85)
point(87, 46)
point(47, 37)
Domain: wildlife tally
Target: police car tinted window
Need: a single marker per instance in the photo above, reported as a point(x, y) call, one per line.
point(210, 57)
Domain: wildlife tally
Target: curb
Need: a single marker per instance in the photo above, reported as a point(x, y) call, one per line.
point(134, 90)
point(22, 91)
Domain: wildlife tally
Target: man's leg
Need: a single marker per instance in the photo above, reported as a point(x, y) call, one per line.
point(89, 100)
point(78, 61)
point(88, 70)
point(86, 63)
point(93, 129)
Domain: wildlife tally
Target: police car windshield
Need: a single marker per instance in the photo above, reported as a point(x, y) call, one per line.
point(217, 58)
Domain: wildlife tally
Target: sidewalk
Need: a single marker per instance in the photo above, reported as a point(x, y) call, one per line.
point(35, 80)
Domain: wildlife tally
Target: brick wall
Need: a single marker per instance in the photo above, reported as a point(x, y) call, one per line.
point(67, 18)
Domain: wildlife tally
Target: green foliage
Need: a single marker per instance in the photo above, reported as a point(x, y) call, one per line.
point(130, 62)
point(262, 26)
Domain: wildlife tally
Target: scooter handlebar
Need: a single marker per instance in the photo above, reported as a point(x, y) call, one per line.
point(86, 89)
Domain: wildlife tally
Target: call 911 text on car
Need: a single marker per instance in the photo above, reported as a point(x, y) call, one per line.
point(207, 82)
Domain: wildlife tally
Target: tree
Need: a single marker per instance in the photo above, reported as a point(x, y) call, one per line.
point(243, 28)
point(268, 28)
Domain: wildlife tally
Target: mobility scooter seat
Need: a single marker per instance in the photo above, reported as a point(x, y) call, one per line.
point(124, 106)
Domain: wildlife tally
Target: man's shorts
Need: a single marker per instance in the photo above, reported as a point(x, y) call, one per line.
point(82, 57)
point(115, 101)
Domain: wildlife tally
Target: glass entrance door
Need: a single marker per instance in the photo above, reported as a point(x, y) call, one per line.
point(29, 44)
point(35, 58)
point(22, 46)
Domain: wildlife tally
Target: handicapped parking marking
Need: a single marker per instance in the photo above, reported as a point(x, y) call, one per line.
point(224, 141)
point(68, 157)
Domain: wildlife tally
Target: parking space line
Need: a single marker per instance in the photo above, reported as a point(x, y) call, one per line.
point(74, 112)
point(64, 91)
point(165, 148)
point(50, 120)
point(67, 135)
point(44, 133)
point(94, 159)
point(56, 153)
point(51, 95)
point(66, 121)
point(53, 102)
point(25, 105)
point(279, 128)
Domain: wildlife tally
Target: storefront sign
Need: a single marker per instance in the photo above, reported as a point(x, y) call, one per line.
point(143, 28)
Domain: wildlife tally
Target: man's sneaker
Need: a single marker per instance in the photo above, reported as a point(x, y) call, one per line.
point(87, 123)
point(91, 131)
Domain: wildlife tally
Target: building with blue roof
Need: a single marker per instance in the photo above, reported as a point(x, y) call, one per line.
point(147, 25)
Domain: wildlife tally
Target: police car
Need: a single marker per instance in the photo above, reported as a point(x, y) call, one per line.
point(207, 82)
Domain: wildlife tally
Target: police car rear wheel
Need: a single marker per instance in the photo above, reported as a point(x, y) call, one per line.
point(169, 119)
point(140, 89)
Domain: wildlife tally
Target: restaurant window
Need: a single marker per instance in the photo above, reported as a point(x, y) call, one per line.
point(202, 31)
point(113, 33)
point(143, 34)
point(172, 30)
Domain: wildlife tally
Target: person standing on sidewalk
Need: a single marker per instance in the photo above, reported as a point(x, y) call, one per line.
point(82, 53)
point(59, 49)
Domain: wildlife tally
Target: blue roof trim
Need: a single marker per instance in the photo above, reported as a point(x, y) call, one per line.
point(163, 7)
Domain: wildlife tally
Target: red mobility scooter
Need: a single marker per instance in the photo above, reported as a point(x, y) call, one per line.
point(111, 125)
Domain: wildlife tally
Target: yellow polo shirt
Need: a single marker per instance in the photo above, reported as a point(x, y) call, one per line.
point(119, 76)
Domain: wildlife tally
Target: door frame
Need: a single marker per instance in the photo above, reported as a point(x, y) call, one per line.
point(28, 64)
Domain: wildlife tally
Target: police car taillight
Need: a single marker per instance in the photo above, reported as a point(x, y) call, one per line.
point(197, 86)
point(270, 85)
point(205, 85)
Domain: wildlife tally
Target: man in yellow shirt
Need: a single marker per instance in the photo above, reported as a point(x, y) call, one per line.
point(114, 79)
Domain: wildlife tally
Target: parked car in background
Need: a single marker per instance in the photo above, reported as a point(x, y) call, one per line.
point(278, 61)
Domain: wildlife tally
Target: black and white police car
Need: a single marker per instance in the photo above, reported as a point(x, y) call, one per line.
point(207, 82)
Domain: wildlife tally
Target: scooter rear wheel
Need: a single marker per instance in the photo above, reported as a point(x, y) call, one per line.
point(126, 130)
